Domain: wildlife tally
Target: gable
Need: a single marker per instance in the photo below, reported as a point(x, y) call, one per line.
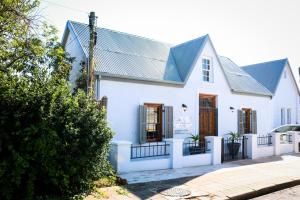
point(267, 73)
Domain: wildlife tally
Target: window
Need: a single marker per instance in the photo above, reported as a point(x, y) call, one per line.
point(282, 116)
point(288, 116)
point(247, 121)
point(153, 122)
point(206, 70)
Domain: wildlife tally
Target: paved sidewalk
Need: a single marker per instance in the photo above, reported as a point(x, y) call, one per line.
point(225, 181)
point(292, 193)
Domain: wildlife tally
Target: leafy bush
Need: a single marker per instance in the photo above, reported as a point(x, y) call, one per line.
point(51, 143)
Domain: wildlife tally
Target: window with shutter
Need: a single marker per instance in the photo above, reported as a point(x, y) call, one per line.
point(142, 124)
point(168, 121)
point(155, 122)
point(240, 121)
point(254, 122)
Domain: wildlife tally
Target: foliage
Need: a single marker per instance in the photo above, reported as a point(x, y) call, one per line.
point(195, 138)
point(81, 81)
point(26, 42)
point(233, 135)
point(52, 144)
point(122, 191)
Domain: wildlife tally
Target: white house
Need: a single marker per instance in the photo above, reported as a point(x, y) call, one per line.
point(278, 78)
point(157, 90)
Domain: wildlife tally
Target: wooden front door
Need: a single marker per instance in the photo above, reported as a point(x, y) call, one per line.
point(207, 116)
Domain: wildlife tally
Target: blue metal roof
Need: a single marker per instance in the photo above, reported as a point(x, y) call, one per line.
point(240, 81)
point(267, 73)
point(129, 56)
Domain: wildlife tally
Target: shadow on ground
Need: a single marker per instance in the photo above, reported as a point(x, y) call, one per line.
point(150, 189)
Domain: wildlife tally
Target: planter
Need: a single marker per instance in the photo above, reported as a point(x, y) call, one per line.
point(233, 148)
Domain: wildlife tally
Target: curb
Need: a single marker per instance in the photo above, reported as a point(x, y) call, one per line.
point(267, 190)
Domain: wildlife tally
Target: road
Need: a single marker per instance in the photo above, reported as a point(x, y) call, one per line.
point(292, 193)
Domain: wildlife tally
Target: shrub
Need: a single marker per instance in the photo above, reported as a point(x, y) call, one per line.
point(52, 144)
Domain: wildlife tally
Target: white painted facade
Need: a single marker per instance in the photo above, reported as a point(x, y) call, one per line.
point(125, 97)
point(286, 97)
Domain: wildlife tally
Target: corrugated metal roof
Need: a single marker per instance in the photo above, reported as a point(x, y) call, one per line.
point(118, 53)
point(267, 73)
point(240, 81)
point(124, 55)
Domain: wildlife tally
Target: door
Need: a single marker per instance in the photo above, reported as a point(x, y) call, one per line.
point(207, 116)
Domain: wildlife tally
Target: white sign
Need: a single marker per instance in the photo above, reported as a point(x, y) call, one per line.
point(183, 125)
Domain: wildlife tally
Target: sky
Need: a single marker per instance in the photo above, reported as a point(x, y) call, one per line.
point(246, 31)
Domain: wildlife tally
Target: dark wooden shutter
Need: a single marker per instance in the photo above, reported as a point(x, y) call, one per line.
point(142, 123)
point(168, 121)
point(254, 122)
point(216, 122)
point(240, 119)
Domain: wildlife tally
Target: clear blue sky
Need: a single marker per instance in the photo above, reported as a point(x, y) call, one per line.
point(247, 31)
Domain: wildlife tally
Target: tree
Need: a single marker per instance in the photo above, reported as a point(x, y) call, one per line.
point(53, 143)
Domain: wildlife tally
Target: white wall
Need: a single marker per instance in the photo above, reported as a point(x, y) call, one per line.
point(264, 151)
point(286, 96)
point(74, 49)
point(125, 97)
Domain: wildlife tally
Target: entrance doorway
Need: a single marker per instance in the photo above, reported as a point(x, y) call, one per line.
point(208, 116)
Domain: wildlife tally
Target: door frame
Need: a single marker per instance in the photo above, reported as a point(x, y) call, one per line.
point(214, 107)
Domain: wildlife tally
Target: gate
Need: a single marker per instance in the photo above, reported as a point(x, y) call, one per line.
point(234, 149)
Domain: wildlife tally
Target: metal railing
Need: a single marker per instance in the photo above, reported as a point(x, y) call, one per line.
point(195, 147)
point(264, 140)
point(152, 149)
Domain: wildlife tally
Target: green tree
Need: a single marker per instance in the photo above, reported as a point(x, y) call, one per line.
point(53, 143)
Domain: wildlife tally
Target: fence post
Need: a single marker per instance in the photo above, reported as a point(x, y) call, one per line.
point(215, 147)
point(251, 145)
point(276, 143)
point(176, 152)
point(120, 154)
point(296, 141)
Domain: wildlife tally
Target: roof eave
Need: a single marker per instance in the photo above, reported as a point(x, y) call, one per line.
point(251, 93)
point(137, 79)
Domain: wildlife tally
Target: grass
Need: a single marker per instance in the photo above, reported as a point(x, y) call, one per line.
point(100, 193)
point(106, 182)
point(122, 191)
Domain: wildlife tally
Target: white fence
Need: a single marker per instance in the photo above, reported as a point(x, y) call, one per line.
point(125, 157)
point(169, 154)
point(280, 144)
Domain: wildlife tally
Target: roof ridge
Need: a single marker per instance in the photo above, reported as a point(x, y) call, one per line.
point(124, 33)
point(201, 37)
point(282, 59)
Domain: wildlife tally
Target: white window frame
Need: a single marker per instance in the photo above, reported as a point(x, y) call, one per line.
point(209, 70)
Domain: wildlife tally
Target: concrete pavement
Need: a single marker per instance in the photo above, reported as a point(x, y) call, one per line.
point(242, 179)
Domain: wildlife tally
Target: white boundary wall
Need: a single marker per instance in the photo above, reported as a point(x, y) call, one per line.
point(121, 152)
